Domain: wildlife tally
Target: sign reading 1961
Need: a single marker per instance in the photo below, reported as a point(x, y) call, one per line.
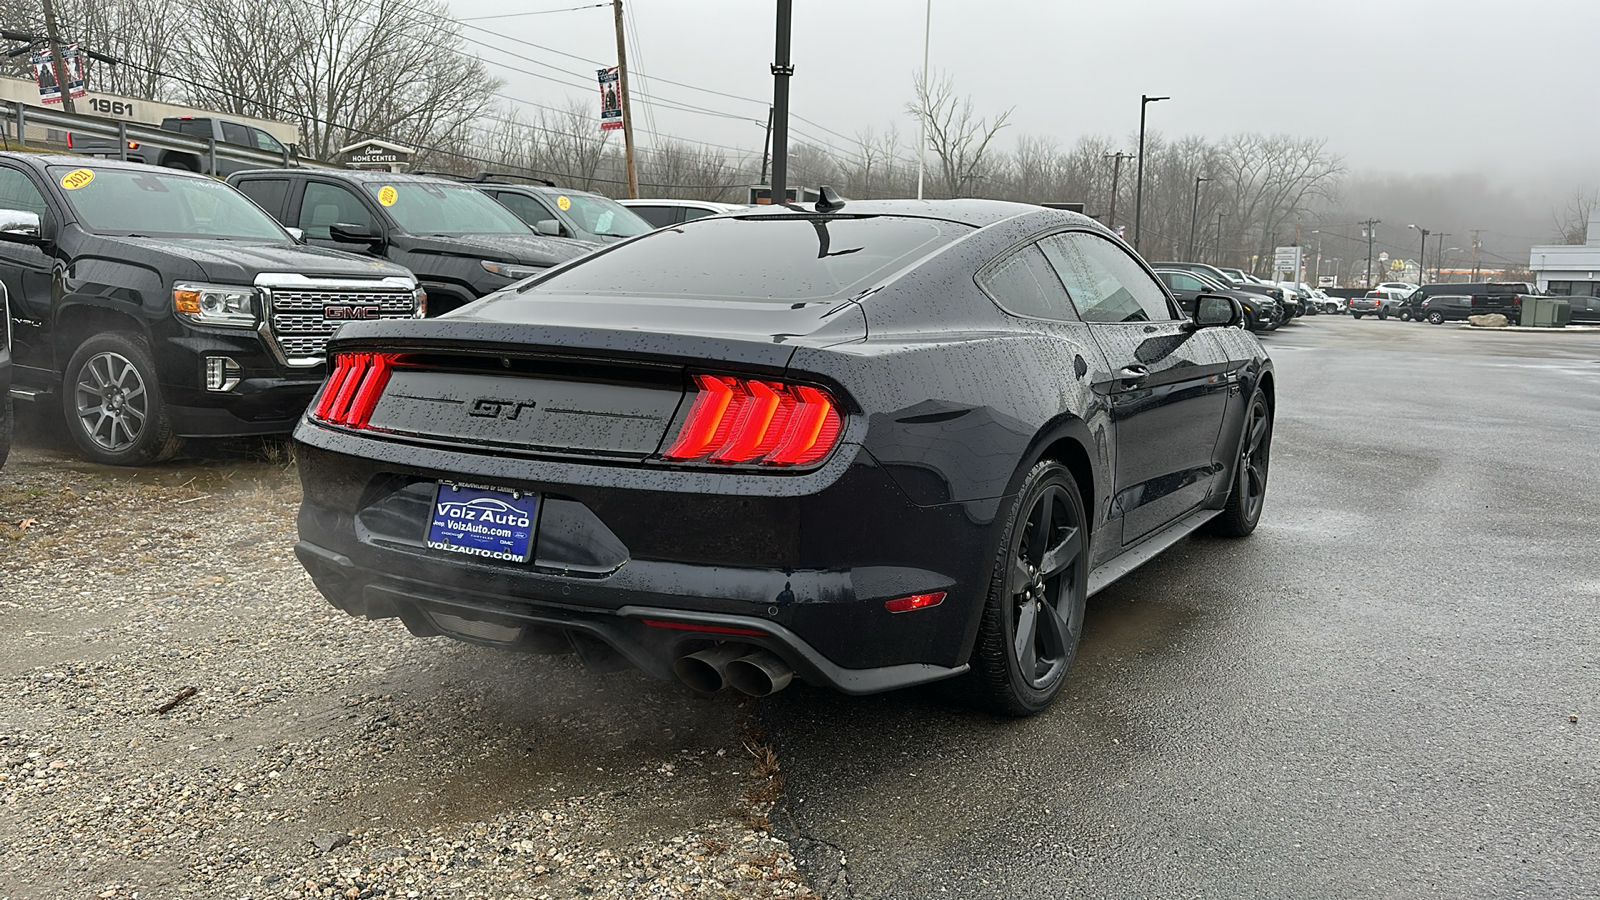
point(111, 107)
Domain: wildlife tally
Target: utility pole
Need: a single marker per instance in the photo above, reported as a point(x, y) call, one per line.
point(1194, 212)
point(1138, 191)
point(1116, 177)
point(1475, 245)
point(922, 137)
point(1422, 255)
point(1371, 234)
point(1317, 278)
point(782, 71)
point(1438, 255)
point(766, 149)
point(57, 62)
point(1219, 238)
point(627, 111)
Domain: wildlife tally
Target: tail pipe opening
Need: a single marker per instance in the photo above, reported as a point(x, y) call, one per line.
point(759, 674)
point(706, 671)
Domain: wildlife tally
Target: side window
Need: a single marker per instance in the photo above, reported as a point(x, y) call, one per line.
point(1024, 285)
point(690, 212)
point(523, 207)
point(17, 192)
point(194, 127)
point(234, 133)
point(1105, 283)
point(265, 141)
point(325, 204)
point(658, 216)
point(1186, 283)
point(268, 193)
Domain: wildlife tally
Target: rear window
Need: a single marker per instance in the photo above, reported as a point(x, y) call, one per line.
point(783, 259)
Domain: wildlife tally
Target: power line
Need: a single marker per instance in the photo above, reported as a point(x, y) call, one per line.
point(534, 12)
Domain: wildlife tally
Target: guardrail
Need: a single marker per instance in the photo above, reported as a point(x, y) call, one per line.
point(208, 149)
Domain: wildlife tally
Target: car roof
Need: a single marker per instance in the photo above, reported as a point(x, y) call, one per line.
point(976, 213)
point(364, 176)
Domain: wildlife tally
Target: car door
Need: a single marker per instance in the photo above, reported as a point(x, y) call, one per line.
point(1184, 288)
point(529, 209)
point(323, 204)
point(657, 216)
point(29, 275)
point(1168, 383)
point(239, 136)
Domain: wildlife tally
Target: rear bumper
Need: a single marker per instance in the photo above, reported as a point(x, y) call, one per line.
point(805, 562)
point(648, 637)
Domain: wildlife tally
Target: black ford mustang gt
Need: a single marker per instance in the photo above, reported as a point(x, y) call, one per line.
point(869, 447)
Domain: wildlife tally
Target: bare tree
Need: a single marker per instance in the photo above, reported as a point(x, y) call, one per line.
point(1572, 221)
point(956, 135)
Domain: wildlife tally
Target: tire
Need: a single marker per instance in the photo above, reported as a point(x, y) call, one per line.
point(1383, 314)
point(112, 402)
point(1436, 318)
point(1356, 315)
point(179, 163)
point(1249, 494)
point(1405, 315)
point(7, 424)
point(1033, 616)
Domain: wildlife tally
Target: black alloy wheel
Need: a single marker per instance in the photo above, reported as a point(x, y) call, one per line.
point(1249, 494)
point(1435, 318)
point(112, 402)
point(6, 424)
point(1033, 617)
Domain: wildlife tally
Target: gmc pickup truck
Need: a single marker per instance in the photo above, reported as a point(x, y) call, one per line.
point(220, 130)
point(155, 305)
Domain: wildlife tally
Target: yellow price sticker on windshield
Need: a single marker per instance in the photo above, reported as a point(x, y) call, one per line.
point(387, 195)
point(77, 178)
point(564, 203)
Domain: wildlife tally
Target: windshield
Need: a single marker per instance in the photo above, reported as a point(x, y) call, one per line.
point(151, 203)
point(425, 207)
point(769, 258)
point(603, 216)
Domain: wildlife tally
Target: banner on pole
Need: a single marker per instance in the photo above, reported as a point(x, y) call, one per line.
point(610, 99)
point(44, 72)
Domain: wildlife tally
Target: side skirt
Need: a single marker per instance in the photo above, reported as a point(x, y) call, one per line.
point(1132, 558)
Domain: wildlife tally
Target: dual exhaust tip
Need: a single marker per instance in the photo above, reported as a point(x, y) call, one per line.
point(746, 669)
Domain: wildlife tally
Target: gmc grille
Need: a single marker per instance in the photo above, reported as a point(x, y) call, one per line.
point(302, 320)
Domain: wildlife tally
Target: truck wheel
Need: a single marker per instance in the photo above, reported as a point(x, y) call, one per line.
point(1383, 314)
point(179, 163)
point(112, 402)
point(1436, 318)
point(1405, 315)
point(6, 422)
point(1355, 315)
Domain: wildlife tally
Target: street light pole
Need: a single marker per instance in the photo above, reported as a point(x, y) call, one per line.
point(782, 71)
point(1116, 179)
point(1194, 212)
point(1138, 191)
point(1438, 270)
point(1422, 255)
point(1219, 238)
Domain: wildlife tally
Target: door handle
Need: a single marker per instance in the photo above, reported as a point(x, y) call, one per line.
point(1133, 374)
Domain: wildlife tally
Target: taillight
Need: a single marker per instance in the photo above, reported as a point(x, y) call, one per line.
point(352, 390)
point(746, 421)
point(69, 140)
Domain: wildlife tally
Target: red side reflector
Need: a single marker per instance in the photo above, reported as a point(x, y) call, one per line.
point(352, 391)
point(750, 422)
point(915, 601)
point(707, 629)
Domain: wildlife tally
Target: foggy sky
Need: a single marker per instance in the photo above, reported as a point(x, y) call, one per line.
point(1506, 92)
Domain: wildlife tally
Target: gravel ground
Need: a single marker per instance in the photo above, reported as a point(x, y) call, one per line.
point(186, 716)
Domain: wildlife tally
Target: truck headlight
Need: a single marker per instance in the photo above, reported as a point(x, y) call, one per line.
point(215, 304)
point(507, 270)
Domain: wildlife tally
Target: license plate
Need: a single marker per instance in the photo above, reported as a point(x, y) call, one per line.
point(479, 521)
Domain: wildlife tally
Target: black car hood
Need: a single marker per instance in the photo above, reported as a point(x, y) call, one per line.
point(525, 249)
point(239, 261)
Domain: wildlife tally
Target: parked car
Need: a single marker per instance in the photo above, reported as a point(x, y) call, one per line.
point(1441, 308)
point(1188, 287)
point(1504, 298)
point(1403, 288)
point(155, 304)
point(1382, 304)
point(1241, 284)
point(921, 480)
point(458, 241)
point(222, 131)
point(7, 422)
point(661, 213)
point(560, 212)
point(1585, 310)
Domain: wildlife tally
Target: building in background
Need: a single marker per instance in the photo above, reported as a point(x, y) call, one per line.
point(1569, 269)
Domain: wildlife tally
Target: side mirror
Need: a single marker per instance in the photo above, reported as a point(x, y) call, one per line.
point(346, 233)
point(548, 226)
point(1216, 312)
point(20, 227)
point(299, 235)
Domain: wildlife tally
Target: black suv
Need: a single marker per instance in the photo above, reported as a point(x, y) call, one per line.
point(1441, 308)
point(1280, 302)
point(1503, 297)
point(5, 373)
point(160, 304)
point(460, 243)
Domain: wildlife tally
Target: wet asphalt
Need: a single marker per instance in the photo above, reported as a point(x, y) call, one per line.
point(1372, 696)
